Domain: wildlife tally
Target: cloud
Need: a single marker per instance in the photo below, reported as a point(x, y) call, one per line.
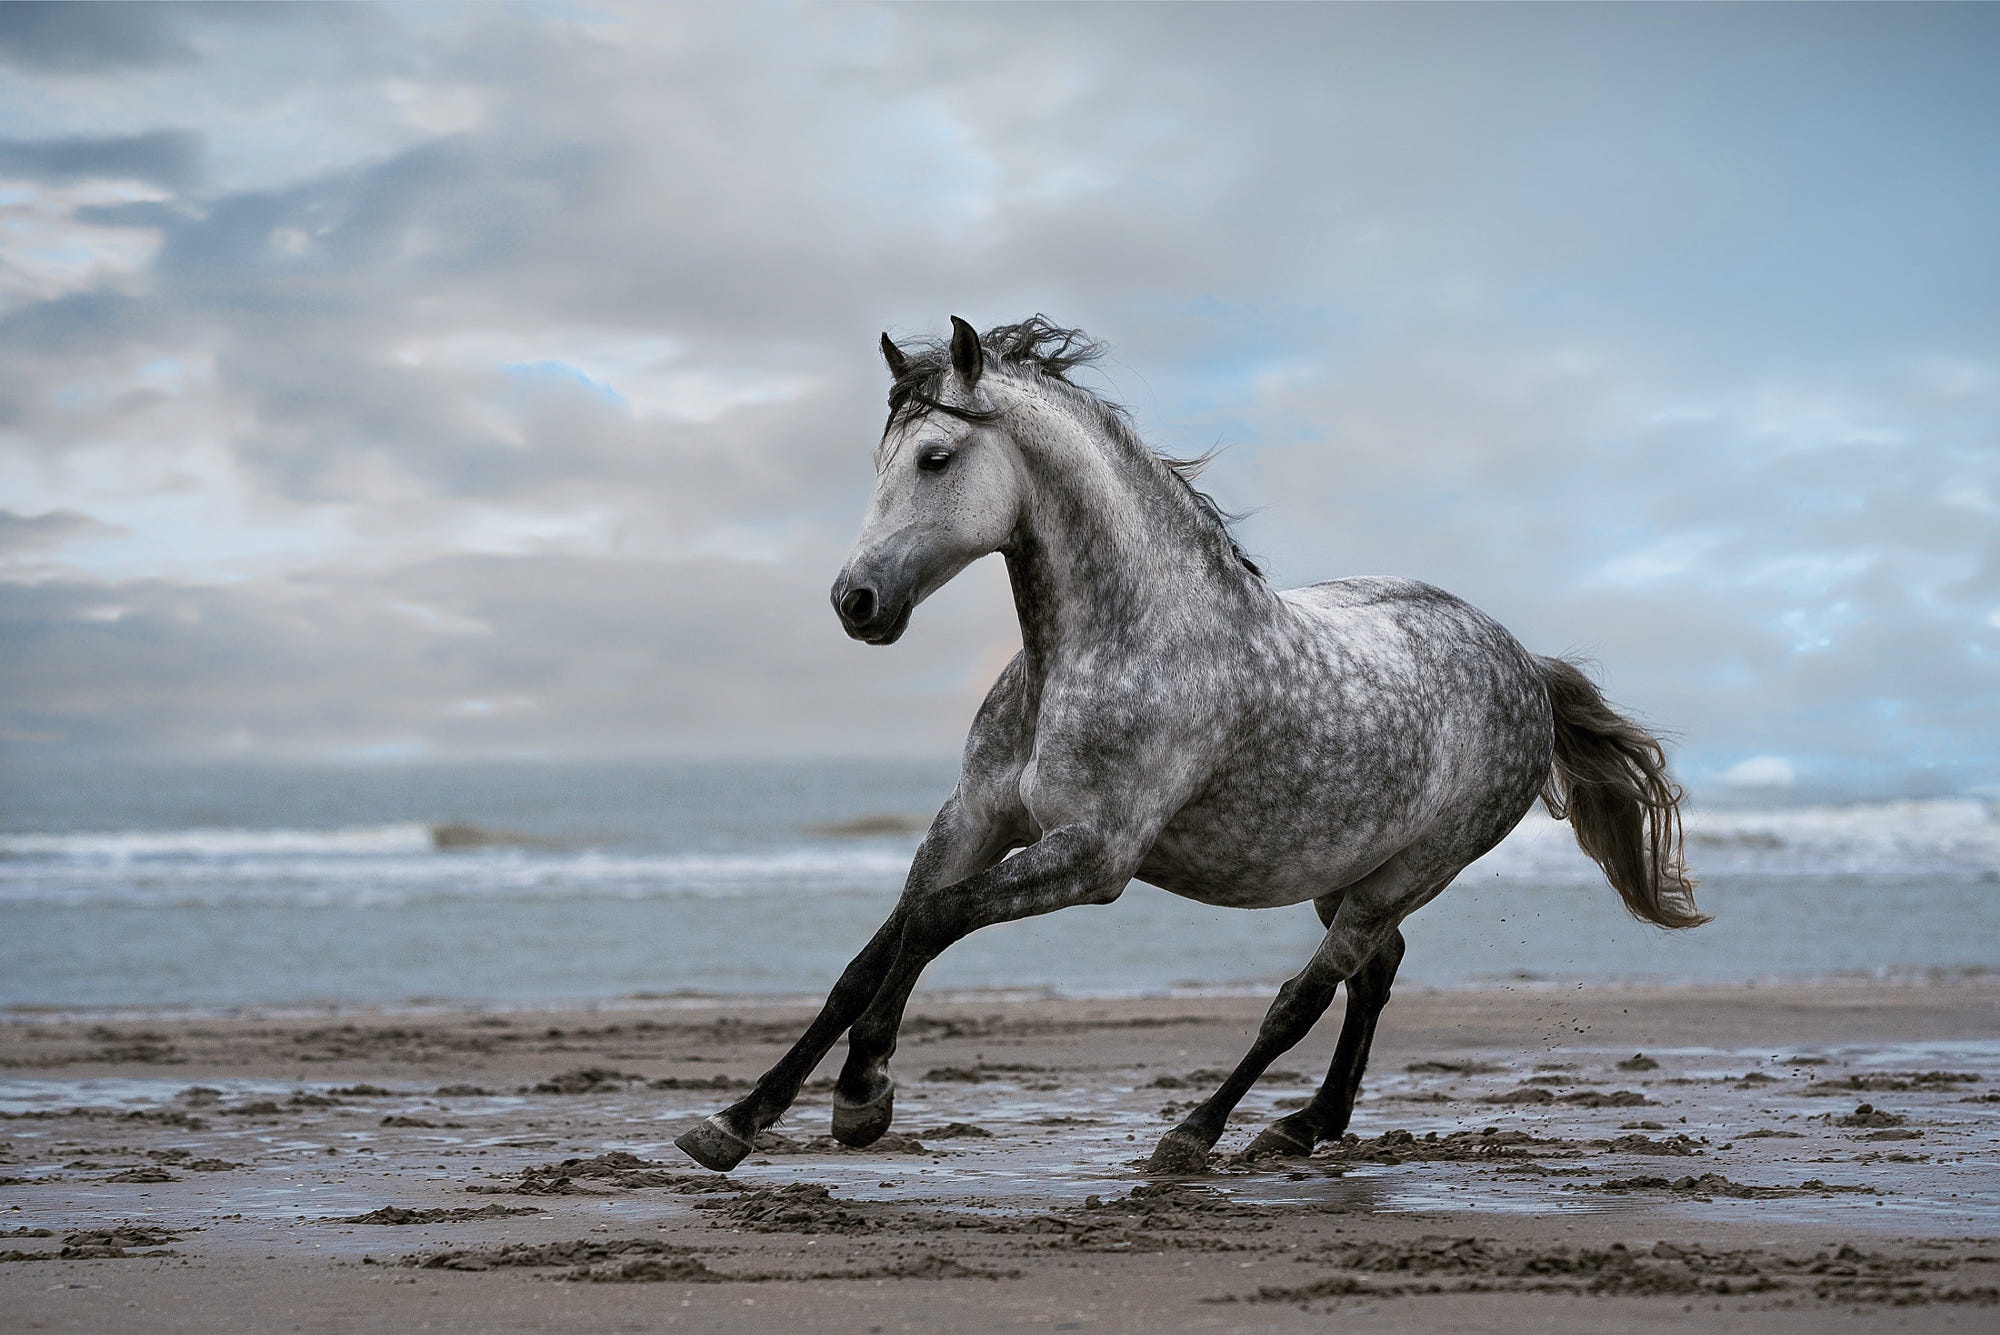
point(169, 158)
point(1759, 772)
point(29, 542)
point(92, 39)
point(490, 657)
point(1665, 334)
point(31, 532)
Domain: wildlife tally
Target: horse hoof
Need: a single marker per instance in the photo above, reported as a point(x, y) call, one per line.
point(712, 1144)
point(861, 1124)
point(1178, 1152)
point(1277, 1141)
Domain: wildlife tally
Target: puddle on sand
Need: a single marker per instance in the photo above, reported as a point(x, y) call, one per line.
point(1943, 1181)
point(1052, 1149)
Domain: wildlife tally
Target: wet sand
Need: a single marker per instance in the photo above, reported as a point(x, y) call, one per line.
point(1757, 1158)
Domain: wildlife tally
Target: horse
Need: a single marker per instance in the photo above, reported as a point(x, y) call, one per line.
point(1171, 718)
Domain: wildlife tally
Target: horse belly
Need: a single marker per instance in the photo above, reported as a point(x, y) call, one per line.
point(1213, 854)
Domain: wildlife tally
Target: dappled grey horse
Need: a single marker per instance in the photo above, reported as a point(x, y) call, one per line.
point(1174, 719)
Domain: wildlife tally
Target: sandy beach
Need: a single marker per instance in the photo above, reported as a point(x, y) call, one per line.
point(1796, 1157)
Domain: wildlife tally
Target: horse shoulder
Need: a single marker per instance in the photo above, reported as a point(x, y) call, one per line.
point(998, 747)
point(1112, 750)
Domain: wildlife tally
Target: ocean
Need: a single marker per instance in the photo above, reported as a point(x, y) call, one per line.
point(228, 887)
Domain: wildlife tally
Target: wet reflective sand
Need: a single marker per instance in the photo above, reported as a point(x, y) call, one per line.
point(1535, 1146)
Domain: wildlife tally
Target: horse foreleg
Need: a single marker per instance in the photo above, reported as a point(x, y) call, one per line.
point(1326, 1117)
point(1066, 867)
point(953, 848)
point(721, 1140)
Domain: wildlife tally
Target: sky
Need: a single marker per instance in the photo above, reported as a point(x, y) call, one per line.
point(499, 382)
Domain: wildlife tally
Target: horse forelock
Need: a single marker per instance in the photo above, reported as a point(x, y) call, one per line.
point(1042, 352)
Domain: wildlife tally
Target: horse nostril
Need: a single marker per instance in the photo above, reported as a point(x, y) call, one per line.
point(858, 606)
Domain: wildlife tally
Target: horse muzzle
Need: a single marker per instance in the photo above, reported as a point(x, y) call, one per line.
point(867, 615)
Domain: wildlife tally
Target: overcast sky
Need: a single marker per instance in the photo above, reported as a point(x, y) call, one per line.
point(491, 381)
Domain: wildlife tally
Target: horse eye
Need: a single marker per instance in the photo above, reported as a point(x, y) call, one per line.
point(932, 461)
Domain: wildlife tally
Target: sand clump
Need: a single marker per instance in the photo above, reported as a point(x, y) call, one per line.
point(796, 1207)
point(1868, 1115)
point(585, 1080)
point(395, 1216)
point(958, 1131)
point(892, 1142)
point(1892, 1082)
point(1846, 1274)
point(1491, 1143)
point(1582, 1098)
point(611, 1259)
point(651, 1261)
point(1155, 1217)
point(117, 1242)
point(1710, 1185)
point(604, 1174)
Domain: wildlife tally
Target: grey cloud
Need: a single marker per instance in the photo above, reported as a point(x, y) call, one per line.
point(169, 158)
point(91, 38)
point(21, 534)
point(106, 39)
point(489, 656)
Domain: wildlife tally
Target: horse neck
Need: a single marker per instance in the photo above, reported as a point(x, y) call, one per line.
point(1112, 553)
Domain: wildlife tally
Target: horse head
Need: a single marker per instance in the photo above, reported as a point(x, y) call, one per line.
point(947, 489)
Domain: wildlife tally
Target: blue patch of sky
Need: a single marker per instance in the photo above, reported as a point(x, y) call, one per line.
point(936, 170)
point(528, 378)
point(1236, 352)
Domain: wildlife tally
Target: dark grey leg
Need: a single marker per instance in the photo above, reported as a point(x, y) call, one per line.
point(950, 851)
point(1326, 1117)
point(721, 1141)
point(1300, 1003)
point(1066, 867)
point(1366, 915)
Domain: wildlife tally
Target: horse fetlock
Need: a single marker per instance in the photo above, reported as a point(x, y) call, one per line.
point(1179, 1151)
point(861, 1122)
point(1335, 1125)
point(1286, 1138)
point(715, 1144)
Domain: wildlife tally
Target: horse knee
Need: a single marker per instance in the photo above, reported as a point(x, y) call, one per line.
point(1371, 983)
point(1389, 958)
point(1297, 1008)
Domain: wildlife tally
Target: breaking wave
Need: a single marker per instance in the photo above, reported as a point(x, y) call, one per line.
point(1957, 837)
point(400, 862)
point(213, 845)
point(388, 864)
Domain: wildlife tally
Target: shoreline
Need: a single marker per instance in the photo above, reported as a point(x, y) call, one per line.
point(1563, 1157)
point(21, 1013)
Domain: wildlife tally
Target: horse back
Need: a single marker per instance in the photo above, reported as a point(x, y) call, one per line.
point(1416, 683)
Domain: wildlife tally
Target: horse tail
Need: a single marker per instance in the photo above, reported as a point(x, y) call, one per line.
point(1609, 781)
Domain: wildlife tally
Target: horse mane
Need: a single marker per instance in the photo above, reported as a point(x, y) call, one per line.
point(1040, 347)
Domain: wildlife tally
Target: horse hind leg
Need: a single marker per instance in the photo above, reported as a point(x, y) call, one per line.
point(1368, 915)
point(1326, 1117)
point(1297, 1008)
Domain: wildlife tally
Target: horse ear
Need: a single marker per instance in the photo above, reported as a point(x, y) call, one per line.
point(967, 357)
point(893, 355)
